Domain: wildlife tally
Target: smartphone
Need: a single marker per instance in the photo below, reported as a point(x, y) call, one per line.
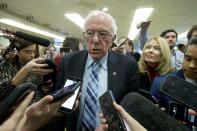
point(69, 88)
point(112, 116)
point(68, 105)
point(177, 110)
point(180, 90)
point(180, 112)
point(145, 23)
point(122, 42)
point(148, 96)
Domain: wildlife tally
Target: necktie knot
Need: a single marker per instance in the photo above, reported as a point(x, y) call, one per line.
point(96, 66)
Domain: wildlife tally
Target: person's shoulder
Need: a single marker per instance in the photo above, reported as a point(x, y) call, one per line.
point(161, 78)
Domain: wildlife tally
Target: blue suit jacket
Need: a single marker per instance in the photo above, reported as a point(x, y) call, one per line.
point(123, 74)
point(156, 85)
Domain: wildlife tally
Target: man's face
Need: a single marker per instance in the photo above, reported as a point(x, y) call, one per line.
point(27, 54)
point(194, 34)
point(96, 45)
point(126, 46)
point(171, 39)
point(189, 65)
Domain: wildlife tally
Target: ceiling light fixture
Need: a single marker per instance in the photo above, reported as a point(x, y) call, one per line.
point(30, 28)
point(75, 18)
point(141, 14)
point(105, 9)
point(182, 35)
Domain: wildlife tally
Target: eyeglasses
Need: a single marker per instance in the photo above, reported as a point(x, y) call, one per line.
point(101, 35)
point(31, 51)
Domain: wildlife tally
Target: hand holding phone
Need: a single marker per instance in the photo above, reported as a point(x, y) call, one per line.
point(14, 98)
point(145, 24)
point(51, 65)
point(112, 116)
point(71, 85)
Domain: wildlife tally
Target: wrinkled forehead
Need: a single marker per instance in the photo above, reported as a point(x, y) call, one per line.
point(98, 22)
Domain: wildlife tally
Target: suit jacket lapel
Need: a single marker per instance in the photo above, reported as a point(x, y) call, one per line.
point(112, 65)
point(78, 64)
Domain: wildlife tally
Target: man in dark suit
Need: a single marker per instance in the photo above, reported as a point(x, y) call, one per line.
point(117, 72)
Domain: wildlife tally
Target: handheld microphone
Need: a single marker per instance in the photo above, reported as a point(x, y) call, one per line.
point(148, 115)
point(28, 37)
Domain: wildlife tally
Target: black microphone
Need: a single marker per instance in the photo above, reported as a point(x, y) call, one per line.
point(28, 37)
point(148, 115)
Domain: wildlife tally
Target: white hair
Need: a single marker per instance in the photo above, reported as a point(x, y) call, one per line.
point(96, 12)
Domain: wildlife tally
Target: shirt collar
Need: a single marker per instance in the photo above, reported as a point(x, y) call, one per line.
point(102, 61)
point(193, 81)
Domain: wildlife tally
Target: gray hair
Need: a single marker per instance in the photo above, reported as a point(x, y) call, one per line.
point(96, 12)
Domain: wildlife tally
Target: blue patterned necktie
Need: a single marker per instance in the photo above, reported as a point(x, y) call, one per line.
point(89, 115)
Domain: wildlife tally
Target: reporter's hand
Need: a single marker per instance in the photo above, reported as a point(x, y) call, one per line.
point(40, 113)
point(104, 125)
point(118, 49)
point(77, 102)
point(143, 28)
point(13, 122)
point(47, 88)
point(130, 121)
point(31, 67)
point(161, 108)
point(192, 112)
point(101, 128)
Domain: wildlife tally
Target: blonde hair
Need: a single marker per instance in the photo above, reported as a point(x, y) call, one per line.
point(164, 65)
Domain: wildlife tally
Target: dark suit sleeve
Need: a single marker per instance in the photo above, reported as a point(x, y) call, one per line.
point(133, 76)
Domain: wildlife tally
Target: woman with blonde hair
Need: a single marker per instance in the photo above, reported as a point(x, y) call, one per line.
point(155, 60)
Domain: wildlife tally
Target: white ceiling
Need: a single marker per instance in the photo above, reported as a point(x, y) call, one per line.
point(177, 14)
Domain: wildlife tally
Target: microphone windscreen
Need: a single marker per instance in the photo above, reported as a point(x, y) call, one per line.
point(148, 115)
point(33, 39)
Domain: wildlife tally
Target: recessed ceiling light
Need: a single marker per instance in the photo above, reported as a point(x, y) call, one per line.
point(76, 18)
point(105, 9)
point(141, 14)
point(30, 28)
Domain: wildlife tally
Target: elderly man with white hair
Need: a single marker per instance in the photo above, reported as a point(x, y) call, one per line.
point(100, 70)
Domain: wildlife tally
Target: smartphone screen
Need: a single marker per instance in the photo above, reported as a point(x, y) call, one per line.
point(71, 101)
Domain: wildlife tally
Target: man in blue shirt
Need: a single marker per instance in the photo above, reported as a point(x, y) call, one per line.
point(117, 72)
